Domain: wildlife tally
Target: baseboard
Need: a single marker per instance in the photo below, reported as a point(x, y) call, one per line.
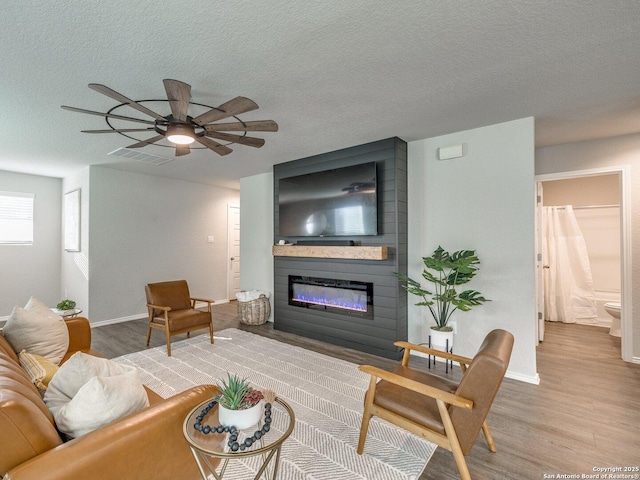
point(535, 380)
point(226, 300)
point(112, 321)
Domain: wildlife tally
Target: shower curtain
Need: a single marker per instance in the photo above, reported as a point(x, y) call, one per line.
point(569, 296)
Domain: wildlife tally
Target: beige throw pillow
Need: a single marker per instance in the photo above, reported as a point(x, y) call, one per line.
point(39, 369)
point(37, 330)
point(89, 392)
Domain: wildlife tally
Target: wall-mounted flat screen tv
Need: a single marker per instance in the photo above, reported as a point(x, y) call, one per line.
point(330, 203)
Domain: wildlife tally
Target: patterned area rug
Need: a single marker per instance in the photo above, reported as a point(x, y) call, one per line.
point(326, 394)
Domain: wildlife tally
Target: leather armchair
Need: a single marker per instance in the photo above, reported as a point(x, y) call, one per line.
point(447, 413)
point(172, 310)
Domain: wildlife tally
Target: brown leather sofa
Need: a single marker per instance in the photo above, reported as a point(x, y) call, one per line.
point(148, 444)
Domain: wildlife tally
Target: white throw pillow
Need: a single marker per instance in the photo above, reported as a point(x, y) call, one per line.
point(89, 392)
point(35, 305)
point(36, 329)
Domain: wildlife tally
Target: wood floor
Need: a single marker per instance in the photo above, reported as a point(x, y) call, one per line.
point(585, 413)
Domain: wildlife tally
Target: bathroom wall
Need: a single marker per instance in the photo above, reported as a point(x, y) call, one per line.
point(600, 227)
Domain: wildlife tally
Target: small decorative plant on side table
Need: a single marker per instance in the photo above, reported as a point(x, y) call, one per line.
point(239, 404)
point(66, 309)
point(66, 304)
point(445, 271)
point(239, 407)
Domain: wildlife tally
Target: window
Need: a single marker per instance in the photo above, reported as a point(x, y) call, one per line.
point(16, 218)
point(72, 221)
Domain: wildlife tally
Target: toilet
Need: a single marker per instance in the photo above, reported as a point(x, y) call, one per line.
point(613, 309)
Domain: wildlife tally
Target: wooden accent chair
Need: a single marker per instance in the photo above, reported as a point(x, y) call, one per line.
point(444, 412)
point(172, 309)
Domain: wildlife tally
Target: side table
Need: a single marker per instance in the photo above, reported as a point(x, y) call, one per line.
point(211, 451)
point(74, 312)
point(447, 349)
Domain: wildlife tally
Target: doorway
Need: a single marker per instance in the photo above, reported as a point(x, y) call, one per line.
point(593, 201)
point(233, 237)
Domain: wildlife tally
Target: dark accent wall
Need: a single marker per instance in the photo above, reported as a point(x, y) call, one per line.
point(390, 303)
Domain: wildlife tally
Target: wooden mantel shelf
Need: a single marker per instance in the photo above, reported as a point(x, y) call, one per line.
point(344, 252)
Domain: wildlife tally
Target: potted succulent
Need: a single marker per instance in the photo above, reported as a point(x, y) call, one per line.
point(445, 271)
point(239, 404)
point(66, 305)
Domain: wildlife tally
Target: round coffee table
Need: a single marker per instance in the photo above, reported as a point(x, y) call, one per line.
point(212, 449)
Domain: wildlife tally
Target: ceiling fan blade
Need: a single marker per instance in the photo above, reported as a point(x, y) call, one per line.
point(120, 130)
point(254, 126)
point(179, 94)
point(149, 141)
point(121, 98)
point(182, 150)
point(108, 115)
point(233, 107)
point(215, 146)
point(241, 139)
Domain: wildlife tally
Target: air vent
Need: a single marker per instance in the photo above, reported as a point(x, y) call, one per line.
point(140, 156)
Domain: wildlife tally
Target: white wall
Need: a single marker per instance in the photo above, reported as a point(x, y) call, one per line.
point(145, 229)
point(74, 281)
point(598, 154)
point(483, 201)
point(33, 269)
point(256, 231)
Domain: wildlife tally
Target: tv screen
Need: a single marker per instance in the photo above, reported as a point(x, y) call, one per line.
point(331, 203)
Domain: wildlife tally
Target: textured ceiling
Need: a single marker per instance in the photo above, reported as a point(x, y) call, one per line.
point(332, 73)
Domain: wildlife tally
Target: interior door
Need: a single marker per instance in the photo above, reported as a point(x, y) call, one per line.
point(233, 232)
point(539, 265)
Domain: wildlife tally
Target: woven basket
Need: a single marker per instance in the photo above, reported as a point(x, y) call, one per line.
point(254, 312)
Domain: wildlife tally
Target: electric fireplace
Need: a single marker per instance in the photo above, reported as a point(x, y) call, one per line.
point(347, 297)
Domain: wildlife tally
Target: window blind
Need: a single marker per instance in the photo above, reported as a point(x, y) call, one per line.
point(16, 218)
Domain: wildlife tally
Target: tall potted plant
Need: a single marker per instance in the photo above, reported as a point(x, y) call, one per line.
point(445, 271)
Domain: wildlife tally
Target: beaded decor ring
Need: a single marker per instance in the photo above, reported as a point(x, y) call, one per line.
point(233, 443)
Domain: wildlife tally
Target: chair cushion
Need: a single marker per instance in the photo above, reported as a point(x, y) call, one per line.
point(36, 329)
point(26, 425)
point(90, 392)
point(179, 319)
point(418, 408)
point(13, 378)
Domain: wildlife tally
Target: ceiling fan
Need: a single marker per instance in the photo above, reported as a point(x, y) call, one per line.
point(181, 129)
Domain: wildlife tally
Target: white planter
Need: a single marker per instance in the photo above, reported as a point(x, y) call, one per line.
point(240, 418)
point(439, 339)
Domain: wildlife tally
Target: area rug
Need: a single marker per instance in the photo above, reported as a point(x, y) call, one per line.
point(325, 393)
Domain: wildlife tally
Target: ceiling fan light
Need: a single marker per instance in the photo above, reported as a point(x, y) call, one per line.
point(181, 139)
point(180, 135)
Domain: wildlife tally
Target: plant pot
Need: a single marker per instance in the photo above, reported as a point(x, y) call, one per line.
point(441, 340)
point(240, 418)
